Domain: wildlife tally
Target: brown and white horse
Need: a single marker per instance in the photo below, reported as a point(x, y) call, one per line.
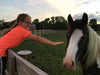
point(83, 45)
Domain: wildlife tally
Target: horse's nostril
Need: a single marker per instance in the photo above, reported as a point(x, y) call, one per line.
point(65, 66)
point(72, 64)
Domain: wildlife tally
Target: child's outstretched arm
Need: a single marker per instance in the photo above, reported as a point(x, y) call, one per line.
point(43, 40)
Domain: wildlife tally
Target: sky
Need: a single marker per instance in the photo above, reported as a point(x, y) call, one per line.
point(41, 9)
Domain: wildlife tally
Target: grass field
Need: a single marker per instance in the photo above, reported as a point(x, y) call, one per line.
point(49, 58)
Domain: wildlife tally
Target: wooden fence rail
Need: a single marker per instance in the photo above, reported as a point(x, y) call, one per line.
point(20, 66)
point(41, 32)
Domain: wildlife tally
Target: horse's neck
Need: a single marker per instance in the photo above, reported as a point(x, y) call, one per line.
point(98, 61)
point(95, 68)
point(99, 47)
point(98, 56)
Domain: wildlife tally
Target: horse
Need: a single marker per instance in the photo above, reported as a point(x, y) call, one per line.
point(83, 46)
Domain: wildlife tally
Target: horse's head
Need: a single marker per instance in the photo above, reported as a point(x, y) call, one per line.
point(77, 41)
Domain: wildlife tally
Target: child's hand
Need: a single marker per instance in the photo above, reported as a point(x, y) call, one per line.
point(57, 43)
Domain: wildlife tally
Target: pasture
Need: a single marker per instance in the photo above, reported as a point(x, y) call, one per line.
point(49, 58)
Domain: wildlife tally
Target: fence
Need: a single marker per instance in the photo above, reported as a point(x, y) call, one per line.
point(41, 32)
point(20, 66)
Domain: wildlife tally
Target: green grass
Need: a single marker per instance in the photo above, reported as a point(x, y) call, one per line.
point(49, 58)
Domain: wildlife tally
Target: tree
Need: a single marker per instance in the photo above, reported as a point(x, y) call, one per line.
point(60, 23)
point(6, 25)
point(93, 22)
point(47, 20)
point(1, 23)
point(46, 23)
point(57, 22)
point(52, 20)
point(37, 23)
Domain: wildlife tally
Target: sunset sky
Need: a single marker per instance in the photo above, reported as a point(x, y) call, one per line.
point(41, 9)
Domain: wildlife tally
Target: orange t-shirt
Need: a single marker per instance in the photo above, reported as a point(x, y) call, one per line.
point(13, 39)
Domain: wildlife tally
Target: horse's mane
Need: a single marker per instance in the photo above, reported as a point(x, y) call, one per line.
point(93, 47)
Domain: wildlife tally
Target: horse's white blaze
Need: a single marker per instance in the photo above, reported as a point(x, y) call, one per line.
point(73, 44)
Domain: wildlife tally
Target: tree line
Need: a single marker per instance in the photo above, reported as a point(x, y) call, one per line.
point(57, 23)
point(54, 22)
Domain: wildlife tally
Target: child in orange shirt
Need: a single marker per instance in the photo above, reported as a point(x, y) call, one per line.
point(16, 35)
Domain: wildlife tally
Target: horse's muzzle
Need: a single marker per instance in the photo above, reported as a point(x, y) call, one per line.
point(69, 64)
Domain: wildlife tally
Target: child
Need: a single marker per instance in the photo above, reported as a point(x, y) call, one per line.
point(16, 35)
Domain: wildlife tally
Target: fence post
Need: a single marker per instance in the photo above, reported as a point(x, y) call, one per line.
point(23, 67)
point(26, 54)
point(11, 60)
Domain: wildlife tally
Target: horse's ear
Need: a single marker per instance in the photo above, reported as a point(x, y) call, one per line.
point(85, 19)
point(70, 20)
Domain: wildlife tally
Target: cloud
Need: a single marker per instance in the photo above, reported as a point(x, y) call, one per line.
point(47, 8)
point(77, 16)
point(66, 7)
point(10, 13)
point(84, 2)
point(63, 6)
point(33, 3)
point(87, 2)
point(37, 4)
point(90, 16)
point(12, 9)
point(98, 18)
point(40, 9)
point(97, 12)
point(94, 16)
